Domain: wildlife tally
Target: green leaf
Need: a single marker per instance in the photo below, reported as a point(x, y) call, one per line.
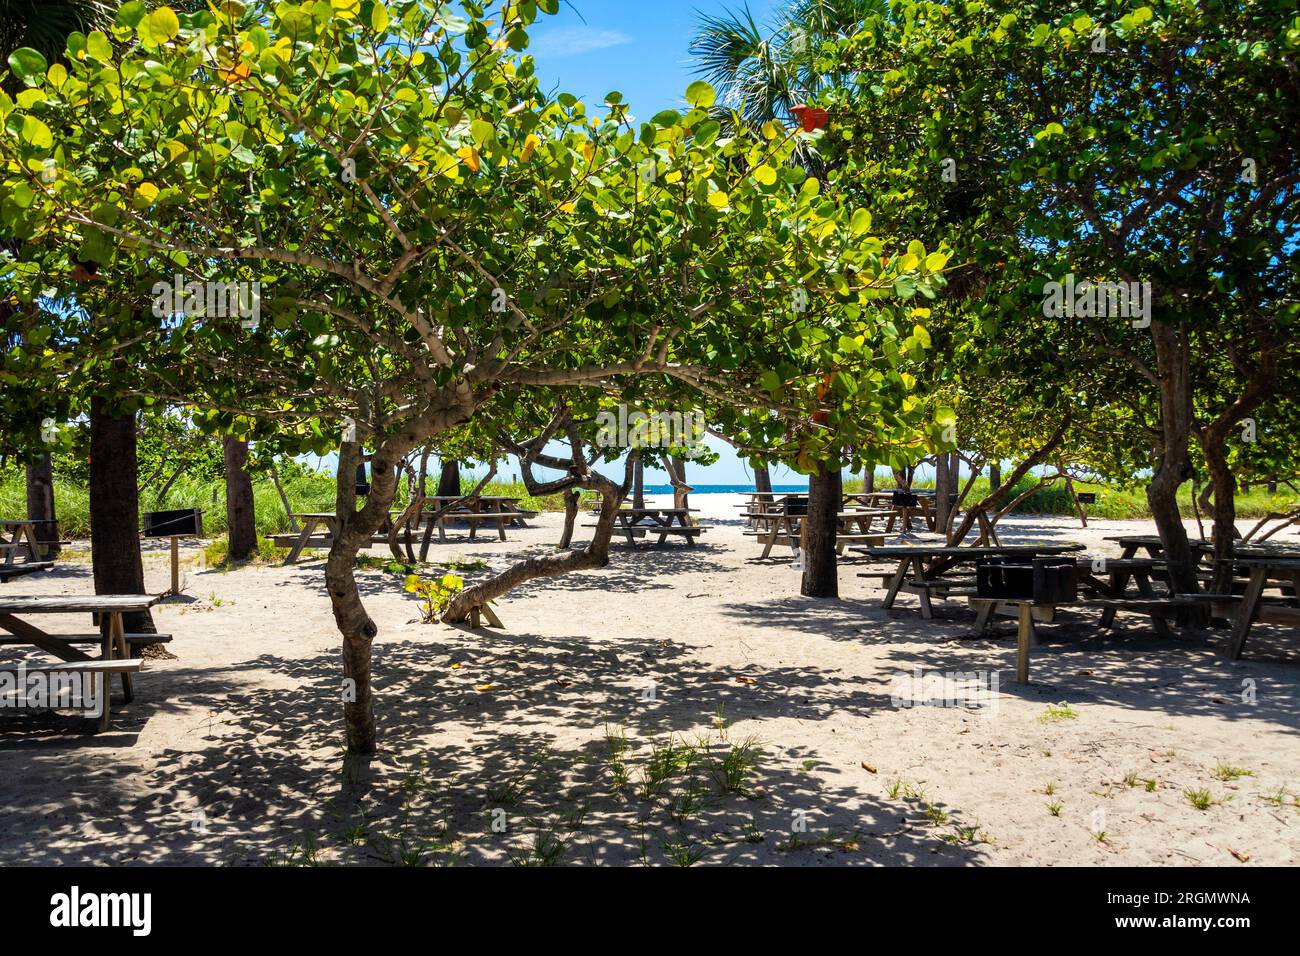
point(707, 134)
point(861, 222)
point(28, 65)
point(97, 45)
point(379, 18)
point(130, 13)
point(701, 95)
point(36, 133)
point(163, 24)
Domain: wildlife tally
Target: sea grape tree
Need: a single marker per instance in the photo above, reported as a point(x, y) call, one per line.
point(423, 237)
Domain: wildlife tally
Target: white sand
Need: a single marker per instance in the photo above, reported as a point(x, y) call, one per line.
point(232, 752)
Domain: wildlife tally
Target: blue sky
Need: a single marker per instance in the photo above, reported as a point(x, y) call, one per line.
point(637, 47)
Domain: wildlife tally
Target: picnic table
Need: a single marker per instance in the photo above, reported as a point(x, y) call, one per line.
point(21, 536)
point(912, 560)
point(310, 522)
point(1252, 607)
point(886, 499)
point(658, 521)
point(115, 644)
point(852, 527)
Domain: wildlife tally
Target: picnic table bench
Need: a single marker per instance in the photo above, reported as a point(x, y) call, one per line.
point(115, 644)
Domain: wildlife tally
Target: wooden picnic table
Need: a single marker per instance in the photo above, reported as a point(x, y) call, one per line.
point(112, 636)
point(911, 560)
point(22, 536)
point(663, 522)
point(310, 520)
point(851, 527)
point(1252, 608)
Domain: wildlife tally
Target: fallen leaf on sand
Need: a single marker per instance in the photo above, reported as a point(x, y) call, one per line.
point(1242, 857)
point(867, 767)
point(483, 687)
point(744, 680)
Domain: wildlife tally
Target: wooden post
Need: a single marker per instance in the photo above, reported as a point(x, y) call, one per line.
point(176, 565)
point(1024, 639)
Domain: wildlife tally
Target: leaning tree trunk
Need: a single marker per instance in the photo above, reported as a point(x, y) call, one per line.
point(1224, 532)
point(115, 509)
point(241, 526)
point(763, 479)
point(449, 482)
point(40, 502)
point(594, 555)
point(1174, 465)
point(995, 475)
point(820, 572)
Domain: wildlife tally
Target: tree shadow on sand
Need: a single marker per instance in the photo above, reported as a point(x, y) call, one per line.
point(1128, 666)
point(497, 749)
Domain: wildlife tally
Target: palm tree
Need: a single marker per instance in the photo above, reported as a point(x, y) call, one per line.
point(44, 25)
point(762, 72)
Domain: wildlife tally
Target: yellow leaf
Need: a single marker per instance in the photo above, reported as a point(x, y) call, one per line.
point(719, 200)
point(589, 151)
point(455, 667)
point(765, 174)
point(147, 191)
point(567, 207)
point(481, 688)
point(469, 155)
point(530, 146)
point(239, 72)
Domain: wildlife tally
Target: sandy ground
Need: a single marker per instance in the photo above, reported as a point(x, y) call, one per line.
point(589, 731)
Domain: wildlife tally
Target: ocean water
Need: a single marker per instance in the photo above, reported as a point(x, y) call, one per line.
point(725, 489)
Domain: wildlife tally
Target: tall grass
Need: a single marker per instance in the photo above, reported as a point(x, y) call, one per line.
point(307, 493)
point(1111, 502)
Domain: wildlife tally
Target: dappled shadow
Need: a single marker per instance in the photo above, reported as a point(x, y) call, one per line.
point(1128, 665)
point(475, 730)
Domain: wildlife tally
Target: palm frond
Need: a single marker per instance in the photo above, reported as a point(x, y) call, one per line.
point(44, 25)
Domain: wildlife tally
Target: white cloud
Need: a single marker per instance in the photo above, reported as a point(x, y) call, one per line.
point(574, 41)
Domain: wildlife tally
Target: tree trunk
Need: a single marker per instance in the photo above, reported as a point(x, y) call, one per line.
point(820, 572)
point(40, 502)
point(996, 492)
point(681, 490)
point(1173, 465)
point(115, 509)
point(995, 475)
point(763, 479)
point(356, 530)
point(941, 466)
point(449, 483)
point(594, 555)
point(241, 527)
point(284, 499)
point(638, 484)
point(571, 499)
